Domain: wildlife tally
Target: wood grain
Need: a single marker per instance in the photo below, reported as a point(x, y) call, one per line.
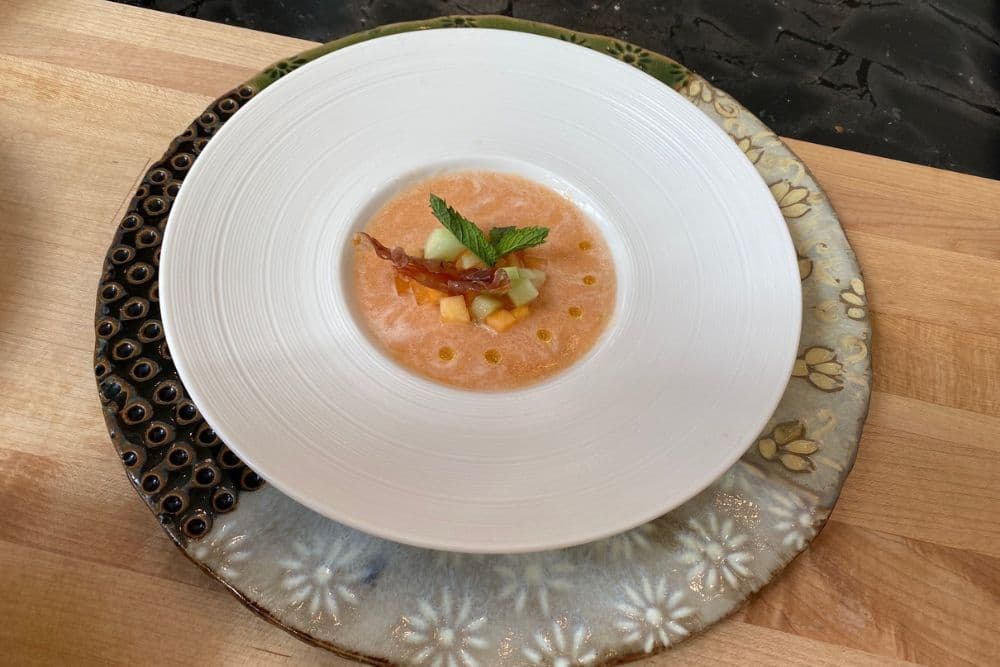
point(936, 363)
point(904, 482)
point(923, 206)
point(867, 590)
point(908, 570)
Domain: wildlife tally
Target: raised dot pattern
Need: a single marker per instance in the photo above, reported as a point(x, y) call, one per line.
point(173, 458)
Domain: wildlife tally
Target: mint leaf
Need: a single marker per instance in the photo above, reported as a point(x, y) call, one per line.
point(502, 240)
point(497, 233)
point(467, 232)
point(520, 239)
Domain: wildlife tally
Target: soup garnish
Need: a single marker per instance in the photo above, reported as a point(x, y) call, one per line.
point(458, 269)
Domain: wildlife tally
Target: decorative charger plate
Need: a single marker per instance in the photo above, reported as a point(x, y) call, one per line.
point(384, 602)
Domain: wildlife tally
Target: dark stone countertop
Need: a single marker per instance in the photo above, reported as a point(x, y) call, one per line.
point(915, 80)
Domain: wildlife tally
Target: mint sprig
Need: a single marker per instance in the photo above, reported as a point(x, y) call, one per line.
point(465, 231)
point(520, 239)
point(502, 240)
point(497, 234)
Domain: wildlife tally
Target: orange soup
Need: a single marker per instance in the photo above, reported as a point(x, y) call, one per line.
point(573, 306)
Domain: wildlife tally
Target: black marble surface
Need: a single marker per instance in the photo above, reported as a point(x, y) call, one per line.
point(915, 80)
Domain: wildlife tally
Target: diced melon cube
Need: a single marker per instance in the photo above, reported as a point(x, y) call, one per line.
point(536, 277)
point(535, 262)
point(522, 291)
point(423, 294)
point(521, 313)
point(483, 305)
point(443, 245)
point(453, 310)
point(469, 260)
point(402, 285)
point(501, 320)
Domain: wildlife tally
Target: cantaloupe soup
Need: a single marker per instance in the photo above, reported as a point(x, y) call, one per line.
point(551, 309)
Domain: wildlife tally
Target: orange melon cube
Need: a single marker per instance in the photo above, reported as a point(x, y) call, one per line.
point(402, 285)
point(423, 294)
point(521, 313)
point(469, 260)
point(454, 310)
point(500, 320)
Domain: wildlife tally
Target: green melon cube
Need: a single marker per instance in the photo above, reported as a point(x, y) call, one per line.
point(443, 245)
point(536, 277)
point(484, 305)
point(522, 291)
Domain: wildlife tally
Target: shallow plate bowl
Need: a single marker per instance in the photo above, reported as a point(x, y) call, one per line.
point(255, 294)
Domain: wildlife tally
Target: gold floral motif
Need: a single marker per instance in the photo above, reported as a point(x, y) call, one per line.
point(749, 148)
point(819, 365)
point(828, 311)
point(792, 199)
point(700, 90)
point(788, 445)
point(855, 300)
point(855, 349)
point(805, 267)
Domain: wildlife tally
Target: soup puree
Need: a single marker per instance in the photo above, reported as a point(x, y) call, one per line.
point(573, 308)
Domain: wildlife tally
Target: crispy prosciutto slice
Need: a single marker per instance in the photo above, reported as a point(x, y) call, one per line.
point(443, 276)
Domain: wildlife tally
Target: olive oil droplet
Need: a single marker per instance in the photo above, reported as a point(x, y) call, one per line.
point(575, 312)
point(544, 335)
point(589, 280)
point(446, 354)
point(585, 245)
point(492, 356)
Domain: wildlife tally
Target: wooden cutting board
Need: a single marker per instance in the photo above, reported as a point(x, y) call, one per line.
point(91, 92)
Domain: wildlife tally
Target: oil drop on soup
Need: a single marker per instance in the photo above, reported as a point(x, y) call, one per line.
point(450, 316)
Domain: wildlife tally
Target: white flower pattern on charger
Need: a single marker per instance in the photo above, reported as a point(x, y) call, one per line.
point(797, 521)
point(555, 650)
point(714, 553)
point(444, 636)
point(626, 545)
point(230, 551)
point(651, 616)
point(533, 575)
point(321, 578)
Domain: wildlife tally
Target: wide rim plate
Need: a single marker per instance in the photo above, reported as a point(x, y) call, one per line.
point(257, 315)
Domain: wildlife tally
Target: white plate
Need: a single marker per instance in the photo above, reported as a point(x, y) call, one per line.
point(254, 294)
